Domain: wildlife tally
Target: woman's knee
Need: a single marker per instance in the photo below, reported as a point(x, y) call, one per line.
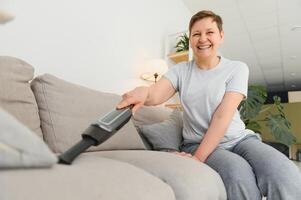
point(281, 173)
point(276, 175)
point(237, 175)
point(242, 185)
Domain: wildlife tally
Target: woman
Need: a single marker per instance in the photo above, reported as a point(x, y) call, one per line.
point(211, 88)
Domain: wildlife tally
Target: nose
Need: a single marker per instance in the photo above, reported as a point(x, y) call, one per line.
point(203, 38)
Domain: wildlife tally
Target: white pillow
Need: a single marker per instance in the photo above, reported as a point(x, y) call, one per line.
point(19, 147)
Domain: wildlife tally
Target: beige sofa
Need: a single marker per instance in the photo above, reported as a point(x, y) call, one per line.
point(122, 168)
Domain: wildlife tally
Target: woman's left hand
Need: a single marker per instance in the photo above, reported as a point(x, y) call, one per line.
point(187, 155)
point(196, 158)
point(182, 153)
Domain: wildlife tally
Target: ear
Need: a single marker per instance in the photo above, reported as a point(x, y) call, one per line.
point(222, 36)
point(189, 36)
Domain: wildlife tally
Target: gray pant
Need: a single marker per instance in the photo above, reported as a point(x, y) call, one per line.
point(253, 169)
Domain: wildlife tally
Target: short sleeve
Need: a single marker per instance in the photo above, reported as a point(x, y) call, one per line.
point(238, 82)
point(173, 75)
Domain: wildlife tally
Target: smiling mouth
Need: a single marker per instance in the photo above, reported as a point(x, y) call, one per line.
point(204, 47)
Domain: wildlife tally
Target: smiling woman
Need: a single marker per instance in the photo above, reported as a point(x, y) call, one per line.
point(211, 88)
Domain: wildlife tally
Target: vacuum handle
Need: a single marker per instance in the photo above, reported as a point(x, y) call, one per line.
point(68, 156)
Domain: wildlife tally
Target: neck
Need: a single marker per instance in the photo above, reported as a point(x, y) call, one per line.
point(207, 63)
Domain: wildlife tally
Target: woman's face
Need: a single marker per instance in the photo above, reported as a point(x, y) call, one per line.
point(205, 38)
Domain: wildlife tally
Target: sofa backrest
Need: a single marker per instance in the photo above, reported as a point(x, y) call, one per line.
point(59, 111)
point(67, 109)
point(16, 97)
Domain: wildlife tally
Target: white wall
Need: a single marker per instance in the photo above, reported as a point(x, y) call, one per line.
point(96, 43)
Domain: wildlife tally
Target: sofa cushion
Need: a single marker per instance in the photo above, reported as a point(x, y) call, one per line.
point(88, 178)
point(16, 96)
point(166, 135)
point(67, 109)
point(189, 179)
point(20, 147)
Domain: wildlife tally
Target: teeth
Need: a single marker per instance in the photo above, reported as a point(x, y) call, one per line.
point(204, 47)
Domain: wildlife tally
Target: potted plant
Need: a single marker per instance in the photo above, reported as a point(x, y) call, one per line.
point(277, 122)
point(182, 43)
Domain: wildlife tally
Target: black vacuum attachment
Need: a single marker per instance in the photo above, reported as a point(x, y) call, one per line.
point(98, 132)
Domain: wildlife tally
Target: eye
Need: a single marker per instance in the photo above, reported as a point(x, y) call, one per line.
point(196, 35)
point(210, 32)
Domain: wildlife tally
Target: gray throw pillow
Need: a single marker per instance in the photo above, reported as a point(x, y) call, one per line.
point(166, 135)
point(20, 147)
point(147, 115)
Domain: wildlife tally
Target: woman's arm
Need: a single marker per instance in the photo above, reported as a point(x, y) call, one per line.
point(220, 122)
point(150, 96)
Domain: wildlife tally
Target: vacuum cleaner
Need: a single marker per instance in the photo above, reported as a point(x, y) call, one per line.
point(98, 132)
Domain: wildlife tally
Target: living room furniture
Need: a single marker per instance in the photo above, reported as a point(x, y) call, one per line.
point(298, 165)
point(122, 168)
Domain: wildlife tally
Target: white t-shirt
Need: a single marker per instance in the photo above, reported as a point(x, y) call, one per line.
point(201, 91)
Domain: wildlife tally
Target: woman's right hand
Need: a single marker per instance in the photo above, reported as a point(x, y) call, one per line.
point(136, 97)
point(153, 95)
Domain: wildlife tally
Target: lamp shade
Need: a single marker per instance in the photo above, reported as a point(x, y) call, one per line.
point(5, 17)
point(154, 69)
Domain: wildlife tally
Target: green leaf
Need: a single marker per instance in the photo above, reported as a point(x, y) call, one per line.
point(254, 126)
point(280, 129)
point(251, 107)
point(280, 108)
